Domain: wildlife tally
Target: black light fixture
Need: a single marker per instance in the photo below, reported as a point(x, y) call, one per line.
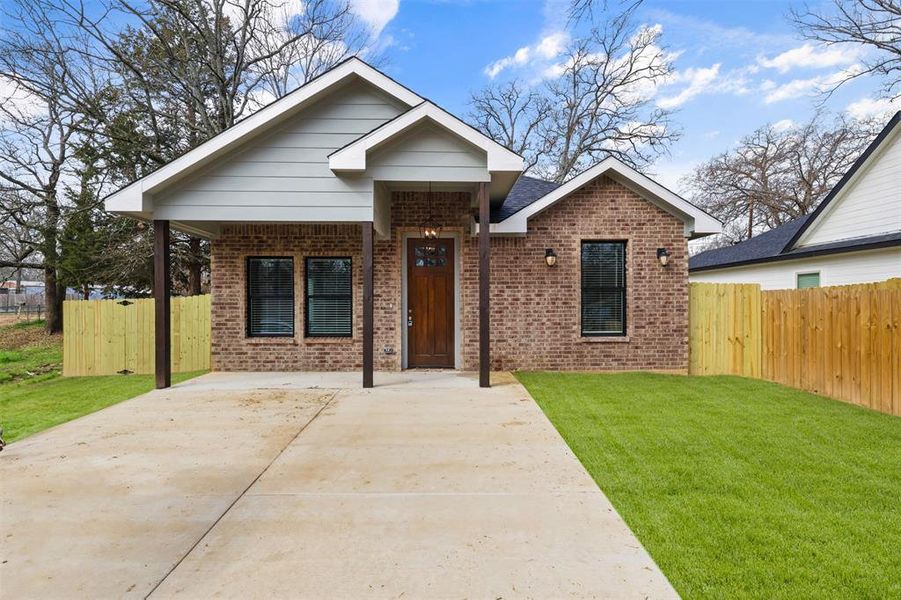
point(663, 256)
point(430, 229)
point(550, 257)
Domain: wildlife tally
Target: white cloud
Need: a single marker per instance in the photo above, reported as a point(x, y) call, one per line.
point(783, 125)
point(699, 80)
point(810, 56)
point(18, 101)
point(547, 48)
point(802, 87)
point(376, 14)
point(867, 108)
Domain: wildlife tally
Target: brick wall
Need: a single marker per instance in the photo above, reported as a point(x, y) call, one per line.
point(535, 309)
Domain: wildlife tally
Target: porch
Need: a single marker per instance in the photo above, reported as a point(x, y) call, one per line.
point(410, 302)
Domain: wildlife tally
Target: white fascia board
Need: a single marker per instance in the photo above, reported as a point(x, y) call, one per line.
point(846, 188)
point(353, 156)
point(128, 198)
point(697, 222)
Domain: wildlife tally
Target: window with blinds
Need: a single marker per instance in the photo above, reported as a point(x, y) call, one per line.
point(603, 288)
point(270, 297)
point(329, 297)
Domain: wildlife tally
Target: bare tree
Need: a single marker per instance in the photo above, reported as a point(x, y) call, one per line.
point(595, 103)
point(39, 123)
point(141, 82)
point(776, 175)
point(513, 116)
point(871, 24)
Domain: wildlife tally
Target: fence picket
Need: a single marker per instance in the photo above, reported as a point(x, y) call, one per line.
point(102, 337)
point(843, 342)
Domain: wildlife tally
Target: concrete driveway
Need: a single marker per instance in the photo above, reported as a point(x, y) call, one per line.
point(306, 486)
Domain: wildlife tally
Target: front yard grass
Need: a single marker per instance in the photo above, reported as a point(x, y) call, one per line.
point(33, 394)
point(740, 488)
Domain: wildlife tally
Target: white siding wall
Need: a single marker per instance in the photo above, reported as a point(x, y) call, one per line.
point(428, 153)
point(284, 174)
point(837, 269)
point(871, 205)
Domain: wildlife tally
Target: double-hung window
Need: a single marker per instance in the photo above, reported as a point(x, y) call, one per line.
point(329, 297)
point(603, 289)
point(270, 296)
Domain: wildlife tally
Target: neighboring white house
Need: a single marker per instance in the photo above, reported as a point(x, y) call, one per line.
point(854, 235)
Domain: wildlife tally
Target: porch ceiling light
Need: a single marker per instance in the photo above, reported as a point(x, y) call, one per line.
point(430, 229)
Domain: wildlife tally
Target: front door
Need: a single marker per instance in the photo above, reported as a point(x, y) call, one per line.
point(430, 303)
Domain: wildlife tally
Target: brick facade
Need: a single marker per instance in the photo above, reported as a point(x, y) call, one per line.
point(535, 309)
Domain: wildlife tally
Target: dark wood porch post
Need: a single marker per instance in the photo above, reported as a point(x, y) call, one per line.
point(484, 287)
point(367, 305)
point(161, 293)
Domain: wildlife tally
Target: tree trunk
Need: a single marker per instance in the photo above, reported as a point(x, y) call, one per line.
point(53, 295)
point(195, 267)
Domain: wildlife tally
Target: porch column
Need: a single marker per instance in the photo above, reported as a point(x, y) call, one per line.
point(161, 296)
point(367, 305)
point(484, 317)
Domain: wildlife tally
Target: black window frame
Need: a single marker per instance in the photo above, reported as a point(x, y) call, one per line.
point(306, 297)
point(249, 296)
point(624, 290)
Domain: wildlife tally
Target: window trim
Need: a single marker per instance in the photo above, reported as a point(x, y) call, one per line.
point(247, 298)
point(799, 274)
point(625, 288)
point(306, 298)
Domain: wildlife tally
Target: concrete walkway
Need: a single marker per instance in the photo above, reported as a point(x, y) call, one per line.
point(306, 486)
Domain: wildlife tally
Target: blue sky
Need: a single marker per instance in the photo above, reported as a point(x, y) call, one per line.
point(739, 64)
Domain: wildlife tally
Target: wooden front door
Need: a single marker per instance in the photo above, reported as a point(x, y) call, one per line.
point(430, 303)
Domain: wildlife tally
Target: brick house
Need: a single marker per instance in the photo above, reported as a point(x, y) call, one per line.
point(345, 226)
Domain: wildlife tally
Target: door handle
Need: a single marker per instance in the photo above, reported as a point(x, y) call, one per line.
point(410, 318)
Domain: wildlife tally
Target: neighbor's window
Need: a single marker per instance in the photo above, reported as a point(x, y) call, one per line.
point(329, 309)
point(270, 296)
point(808, 280)
point(603, 288)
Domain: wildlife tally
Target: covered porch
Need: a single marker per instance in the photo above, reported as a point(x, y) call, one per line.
point(387, 296)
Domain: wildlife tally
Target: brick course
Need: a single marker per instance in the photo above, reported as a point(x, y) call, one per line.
point(535, 309)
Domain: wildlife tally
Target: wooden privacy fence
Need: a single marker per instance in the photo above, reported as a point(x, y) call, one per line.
point(105, 337)
point(843, 342)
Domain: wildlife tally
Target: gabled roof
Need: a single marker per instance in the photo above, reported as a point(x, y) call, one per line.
point(779, 243)
point(524, 192)
point(763, 246)
point(860, 162)
point(130, 198)
point(697, 222)
point(763, 252)
point(352, 157)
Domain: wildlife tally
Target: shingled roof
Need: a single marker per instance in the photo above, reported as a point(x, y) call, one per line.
point(775, 245)
point(763, 246)
point(524, 192)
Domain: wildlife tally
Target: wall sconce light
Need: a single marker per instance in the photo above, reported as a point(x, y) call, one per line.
point(550, 257)
point(663, 256)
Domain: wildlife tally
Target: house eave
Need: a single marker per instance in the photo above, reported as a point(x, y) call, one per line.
point(798, 254)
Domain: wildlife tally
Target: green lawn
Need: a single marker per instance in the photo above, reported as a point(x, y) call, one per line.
point(740, 488)
point(33, 395)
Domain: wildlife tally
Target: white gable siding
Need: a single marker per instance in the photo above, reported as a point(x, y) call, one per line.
point(284, 174)
point(428, 153)
point(869, 205)
point(835, 269)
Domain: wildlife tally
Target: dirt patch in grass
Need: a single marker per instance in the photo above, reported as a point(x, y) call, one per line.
point(26, 334)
